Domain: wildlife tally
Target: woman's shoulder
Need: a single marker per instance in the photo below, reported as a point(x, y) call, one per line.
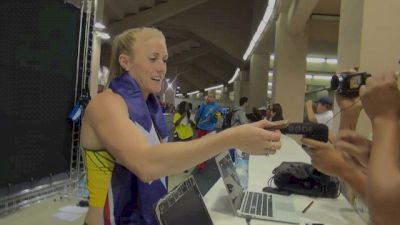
point(106, 102)
point(106, 98)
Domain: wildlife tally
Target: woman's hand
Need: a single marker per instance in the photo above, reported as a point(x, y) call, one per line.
point(356, 146)
point(326, 158)
point(381, 97)
point(254, 139)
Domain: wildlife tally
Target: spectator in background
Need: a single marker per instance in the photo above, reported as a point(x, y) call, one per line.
point(268, 112)
point(238, 118)
point(263, 112)
point(255, 115)
point(324, 113)
point(239, 113)
point(190, 109)
point(206, 119)
point(183, 124)
point(276, 112)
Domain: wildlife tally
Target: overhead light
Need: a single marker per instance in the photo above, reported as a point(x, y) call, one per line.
point(272, 57)
point(269, 84)
point(332, 61)
point(178, 87)
point(193, 92)
point(99, 26)
point(103, 35)
point(214, 87)
point(269, 92)
point(179, 95)
point(260, 29)
point(315, 60)
point(219, 91)
point(318, 76)
point(235, 75)
point(322, 77)
point(169, 85)
point(270, 74)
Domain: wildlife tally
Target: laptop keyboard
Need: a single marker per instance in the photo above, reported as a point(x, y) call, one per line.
point(258, 204)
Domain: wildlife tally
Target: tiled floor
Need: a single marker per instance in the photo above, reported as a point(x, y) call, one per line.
point(42, 213)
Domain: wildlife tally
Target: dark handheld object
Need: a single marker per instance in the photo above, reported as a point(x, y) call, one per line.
point(276, 191)
point(348, 84)
point(316, 131)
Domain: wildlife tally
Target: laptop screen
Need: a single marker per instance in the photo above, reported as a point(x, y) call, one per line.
point(231, 179)
point(184, 205)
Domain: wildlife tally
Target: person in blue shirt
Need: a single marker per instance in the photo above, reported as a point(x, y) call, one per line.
point(207, 116)
point(206, 119)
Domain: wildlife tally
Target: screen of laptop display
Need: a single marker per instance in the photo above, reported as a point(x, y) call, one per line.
point(184, 206)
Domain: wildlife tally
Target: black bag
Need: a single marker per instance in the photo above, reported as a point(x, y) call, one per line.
point(228, 119)
point(303, 179)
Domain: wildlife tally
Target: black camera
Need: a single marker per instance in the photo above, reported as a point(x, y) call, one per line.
point(348, 84)
point(316, 131)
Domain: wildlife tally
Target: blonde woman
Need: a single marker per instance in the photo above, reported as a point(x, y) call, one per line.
point(125, 122)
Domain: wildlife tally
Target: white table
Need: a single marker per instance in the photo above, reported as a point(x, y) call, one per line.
point(324, 211)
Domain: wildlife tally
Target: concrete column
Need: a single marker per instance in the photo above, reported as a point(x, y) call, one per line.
point(258, 80)
point(224, 100)
point(96, 52)
point(244, 85)
point(368, 36)
point(289, 70)
point(236, 91)
point(95, 66)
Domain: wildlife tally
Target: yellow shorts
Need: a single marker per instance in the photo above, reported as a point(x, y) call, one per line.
point(99, 167)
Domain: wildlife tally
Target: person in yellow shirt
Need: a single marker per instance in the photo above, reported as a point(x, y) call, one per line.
point(183, 124)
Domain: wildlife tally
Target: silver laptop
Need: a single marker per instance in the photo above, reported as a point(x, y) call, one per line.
point(258, 205)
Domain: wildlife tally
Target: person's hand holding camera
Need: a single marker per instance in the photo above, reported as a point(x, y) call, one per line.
point(326, 158)
point(309, 104)
point(357, 147)
point(381, 97)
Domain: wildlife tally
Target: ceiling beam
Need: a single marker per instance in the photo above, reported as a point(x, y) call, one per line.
point(192, 83)
point(237, 61)
point(188, 56)
point(221, 80)
point(154, 15)
point(299, 13)
point(130, 6)
point(215, 79)
point(147, 3)
point(185, 86)
point(114, 10)
point(182, 46)
point(204, 43)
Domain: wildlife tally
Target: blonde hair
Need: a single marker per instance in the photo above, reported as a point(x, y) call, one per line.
point(124, 43)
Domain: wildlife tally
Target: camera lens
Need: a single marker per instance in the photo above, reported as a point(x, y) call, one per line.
point(335, 82)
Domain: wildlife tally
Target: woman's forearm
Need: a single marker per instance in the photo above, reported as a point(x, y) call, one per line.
point(383, 183)
point(356, 179)
point(171, 158)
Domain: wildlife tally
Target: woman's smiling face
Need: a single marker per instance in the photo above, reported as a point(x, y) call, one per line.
point(148, 63)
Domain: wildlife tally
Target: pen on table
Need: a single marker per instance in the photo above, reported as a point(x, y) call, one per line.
point(307, 207)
